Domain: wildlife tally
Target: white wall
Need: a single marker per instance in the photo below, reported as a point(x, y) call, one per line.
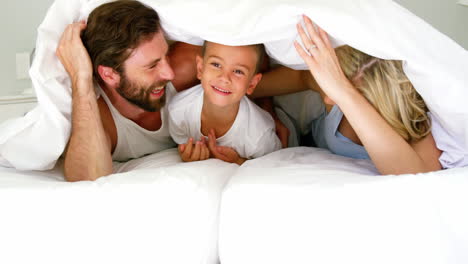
point(447, 16)
point(18, 23)
point(20, 19)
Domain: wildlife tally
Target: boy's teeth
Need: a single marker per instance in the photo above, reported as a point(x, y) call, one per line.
point(221, 90)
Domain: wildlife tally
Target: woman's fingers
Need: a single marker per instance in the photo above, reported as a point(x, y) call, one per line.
point(324, 37)
point(306, 57)
point(307, 43)
point(313, 34)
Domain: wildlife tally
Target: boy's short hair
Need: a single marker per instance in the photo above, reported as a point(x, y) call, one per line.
point(259, 49)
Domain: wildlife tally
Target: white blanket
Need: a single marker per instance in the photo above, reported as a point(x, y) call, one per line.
point(436, 65)
point(156, 210)
point(303, 205)
point(296, 205)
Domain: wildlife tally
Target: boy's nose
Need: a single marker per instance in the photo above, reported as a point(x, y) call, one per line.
point(224, 76)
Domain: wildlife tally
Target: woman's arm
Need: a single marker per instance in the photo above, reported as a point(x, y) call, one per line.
point(280, 81)
point(390, 153)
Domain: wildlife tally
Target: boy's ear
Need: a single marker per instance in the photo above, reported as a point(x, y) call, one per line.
point(199, 60)
point(253, 83)
point(109, 76)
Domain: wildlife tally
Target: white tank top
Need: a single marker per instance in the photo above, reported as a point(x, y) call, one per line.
point(134, 141)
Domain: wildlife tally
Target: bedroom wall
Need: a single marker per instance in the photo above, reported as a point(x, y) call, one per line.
point(18, 23)
point(20, 19)
point(447, 16)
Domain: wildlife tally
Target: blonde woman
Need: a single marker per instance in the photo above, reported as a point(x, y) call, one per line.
point(372, 110)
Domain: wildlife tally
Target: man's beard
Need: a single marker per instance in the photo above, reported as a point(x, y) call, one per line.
point(141, 95)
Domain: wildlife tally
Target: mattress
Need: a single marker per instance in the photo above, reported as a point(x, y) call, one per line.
point(152, 210)
point(306, 205)
point(296, 205)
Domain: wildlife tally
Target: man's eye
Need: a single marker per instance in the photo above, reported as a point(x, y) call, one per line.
point(239, 72)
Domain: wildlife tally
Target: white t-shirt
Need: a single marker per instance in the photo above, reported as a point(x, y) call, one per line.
point(134, 141)
point(252, 134)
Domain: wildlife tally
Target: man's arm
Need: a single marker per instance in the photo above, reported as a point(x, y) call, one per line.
point(182, 59)
point(88, 154)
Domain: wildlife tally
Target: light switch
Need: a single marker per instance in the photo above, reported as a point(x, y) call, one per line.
point(22, 66)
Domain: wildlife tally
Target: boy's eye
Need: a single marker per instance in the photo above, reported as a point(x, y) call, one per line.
point(215, 64)
point(238, 72)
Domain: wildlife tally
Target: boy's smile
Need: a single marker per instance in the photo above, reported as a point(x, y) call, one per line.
point(221, 91)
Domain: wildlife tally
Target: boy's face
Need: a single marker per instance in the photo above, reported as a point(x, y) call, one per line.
point(227, 73)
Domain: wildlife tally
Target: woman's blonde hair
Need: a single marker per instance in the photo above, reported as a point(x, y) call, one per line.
point(384, 84)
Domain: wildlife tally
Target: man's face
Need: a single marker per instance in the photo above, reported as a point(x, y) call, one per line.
point(227, 72)
point(146, 73)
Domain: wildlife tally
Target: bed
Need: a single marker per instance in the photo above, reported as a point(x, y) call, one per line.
point(296, 205)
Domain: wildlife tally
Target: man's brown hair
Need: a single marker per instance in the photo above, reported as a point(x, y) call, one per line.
point(115, 29)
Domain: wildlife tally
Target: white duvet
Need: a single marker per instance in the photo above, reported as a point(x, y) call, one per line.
point(153, 210)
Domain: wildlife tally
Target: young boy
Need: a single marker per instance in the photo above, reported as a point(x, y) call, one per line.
point(236, 128)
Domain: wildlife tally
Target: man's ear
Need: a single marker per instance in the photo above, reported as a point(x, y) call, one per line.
point(109, 76)
point(253, 83)
point(199, 60)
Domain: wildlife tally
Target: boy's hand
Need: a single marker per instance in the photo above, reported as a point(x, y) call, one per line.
point(227, 154)
point(194, 151)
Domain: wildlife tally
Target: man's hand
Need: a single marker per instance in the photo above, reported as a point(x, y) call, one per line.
point(227, 154)
point(73, 54)
point(194, 151)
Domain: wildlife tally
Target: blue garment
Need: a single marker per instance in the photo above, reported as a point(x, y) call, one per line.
point(326, 135)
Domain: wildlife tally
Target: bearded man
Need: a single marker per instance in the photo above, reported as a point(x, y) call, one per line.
point(120, 57)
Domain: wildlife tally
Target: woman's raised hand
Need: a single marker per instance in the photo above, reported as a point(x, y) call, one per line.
point(320, 57)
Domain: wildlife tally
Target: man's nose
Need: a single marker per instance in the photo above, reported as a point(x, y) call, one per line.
point(166, 71)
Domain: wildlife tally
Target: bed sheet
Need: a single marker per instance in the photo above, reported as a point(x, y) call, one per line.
point(305, 205)
point(152, 210)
